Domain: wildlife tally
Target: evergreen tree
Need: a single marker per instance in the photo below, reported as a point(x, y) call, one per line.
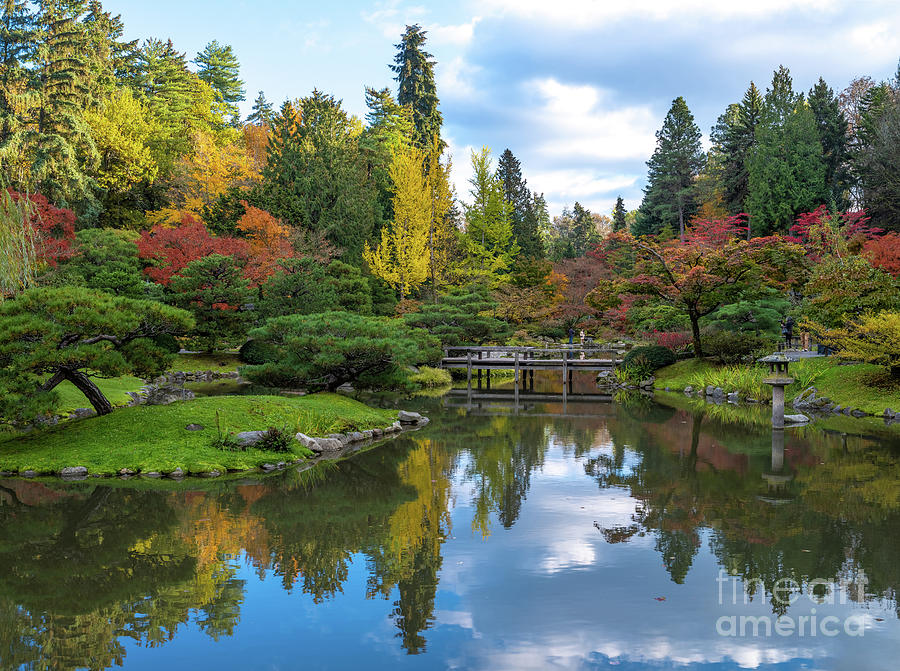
point(262, 113)
point(734, 137)
point(619, 212)
point(786, 172)
point(833, 134)
point(516, 193)
point(110, 60)
point(489, 237)
point(583, 230)
point(414, 68)
point(218, 66)
point(669, 199)
point(878, 165)
point(315, 177)
point(17, 26)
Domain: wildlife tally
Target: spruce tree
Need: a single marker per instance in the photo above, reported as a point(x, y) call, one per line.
point(786, 171)
point(878, 164)
point(734, 137)
point(17, 26)
point(833, 134)
point(516, 193)
point(219, 67)
point(583, 230)
point(669, 199)
point(262, 112)
point(414, 68)
point(489, 238)
point(619, 223)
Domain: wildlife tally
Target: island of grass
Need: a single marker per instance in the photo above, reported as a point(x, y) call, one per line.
point(862, 386)
point(154, 438)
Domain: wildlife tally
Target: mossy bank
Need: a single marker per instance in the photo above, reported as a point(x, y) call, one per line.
point(154, 439)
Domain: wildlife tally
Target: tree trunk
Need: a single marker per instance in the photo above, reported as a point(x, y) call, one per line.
point(85, 385)
point(681, 222)
point(695, 330)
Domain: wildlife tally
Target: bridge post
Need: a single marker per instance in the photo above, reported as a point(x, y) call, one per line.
point(479, 370)
point(469, 369)
point(516, 364)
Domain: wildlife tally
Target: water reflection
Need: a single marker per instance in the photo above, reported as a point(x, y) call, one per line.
point(487, 540)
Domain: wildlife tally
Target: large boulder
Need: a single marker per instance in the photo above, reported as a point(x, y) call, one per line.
point(248, 438)
point(406, 417)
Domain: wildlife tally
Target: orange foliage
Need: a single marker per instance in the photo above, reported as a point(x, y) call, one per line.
point(884, 252)
point(270, 241)
point(256, 142)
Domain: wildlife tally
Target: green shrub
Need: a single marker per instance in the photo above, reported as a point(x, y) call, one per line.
point(168, 342)
point(257, 352)
point(275, 440)
point(648, 359)
point(429, 377)
point(728, 347)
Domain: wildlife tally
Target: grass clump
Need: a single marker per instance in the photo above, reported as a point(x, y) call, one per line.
point(429, 378)
point(154, 438)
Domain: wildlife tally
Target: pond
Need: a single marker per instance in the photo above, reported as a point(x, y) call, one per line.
point(629, 534)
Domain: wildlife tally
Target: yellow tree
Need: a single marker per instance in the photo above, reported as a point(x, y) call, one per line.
point(441, 231)
point(401, 258)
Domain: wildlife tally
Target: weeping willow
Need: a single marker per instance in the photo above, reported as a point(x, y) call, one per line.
point(18, 249)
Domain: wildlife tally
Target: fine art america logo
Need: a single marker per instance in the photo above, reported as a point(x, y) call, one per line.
point(786, 593)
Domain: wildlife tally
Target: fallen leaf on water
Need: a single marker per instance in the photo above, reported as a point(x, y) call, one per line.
point(660, 598)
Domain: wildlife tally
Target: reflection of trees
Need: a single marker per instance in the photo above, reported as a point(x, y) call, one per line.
point(836, 517)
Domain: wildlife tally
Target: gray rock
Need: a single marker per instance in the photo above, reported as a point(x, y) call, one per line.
point(718, 392)
point(152, 474)
point(751, 400)
point(246, 438)
point(306, 441)
point(177, 474)
point(82, 413)
point(268, 467)
point(889, 413)
point(281, 464)
point(329, 445)
point(688, 390)
point(406, 417)
point(343, 437)
point(837, 409)
point(356, 437)
point(710, 390)
point(73, 472)
point(126, 471)
point(28, 474)
point(847, 411)
point(377, 433)
point(368, 434)
point(796, 419)
point(211, 474)
point(6, 474)
point(194, 427)
point(733, 397)
point(397, 426)
point(859, 413)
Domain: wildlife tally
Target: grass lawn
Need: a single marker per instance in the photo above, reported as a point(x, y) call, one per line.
point(153, 438)
point(863, 386)
point(222, 362)
point(115, 389)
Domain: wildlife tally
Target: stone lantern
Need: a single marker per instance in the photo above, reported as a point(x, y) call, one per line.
point(778, 379)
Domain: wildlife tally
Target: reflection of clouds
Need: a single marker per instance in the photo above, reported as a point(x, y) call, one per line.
point(568, 554)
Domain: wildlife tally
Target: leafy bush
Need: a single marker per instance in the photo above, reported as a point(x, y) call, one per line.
point(874, 338)
point(680, 342)
point(649, 358)
point(728, 347)
point(167, 342)
point(429, 377)
point(275, 440)
point(256, 352)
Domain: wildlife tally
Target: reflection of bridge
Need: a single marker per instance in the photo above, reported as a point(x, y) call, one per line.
point(521, 399)
point(565, 358)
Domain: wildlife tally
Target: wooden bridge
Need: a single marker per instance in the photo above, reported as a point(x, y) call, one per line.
point(523, 361)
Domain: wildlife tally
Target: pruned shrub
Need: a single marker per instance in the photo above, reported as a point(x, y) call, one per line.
point(649, 359)
point(168, 342)
point(275, 440)
point(257, 352)
point(729, 347)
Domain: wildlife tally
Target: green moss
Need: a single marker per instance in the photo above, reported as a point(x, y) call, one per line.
point(115, 389)
point(153, 438)
point(222, 362)
point(863, 386)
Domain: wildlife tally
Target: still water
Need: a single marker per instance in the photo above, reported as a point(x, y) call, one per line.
point(631, 535)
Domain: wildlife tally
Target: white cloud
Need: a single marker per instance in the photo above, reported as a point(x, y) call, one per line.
point(457, 35)
point(584, 13)
point(879, 40)
point(455, 78)
point(579, 122)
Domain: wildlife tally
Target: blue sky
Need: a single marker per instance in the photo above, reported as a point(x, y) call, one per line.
point(575, 88)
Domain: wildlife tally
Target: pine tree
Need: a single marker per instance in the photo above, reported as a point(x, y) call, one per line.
point(110, 60)
point(219, 67)
point(833, 134)
point(786, 172)
point(517, 194)
point(669, 199)
point(262, 112)
point(414, 68)
point(619, 223)
point(734, 137)
point(878, 164)
point(583, 230)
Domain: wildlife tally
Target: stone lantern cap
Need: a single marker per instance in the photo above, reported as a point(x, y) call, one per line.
point(775, 359)
point(778, 367)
